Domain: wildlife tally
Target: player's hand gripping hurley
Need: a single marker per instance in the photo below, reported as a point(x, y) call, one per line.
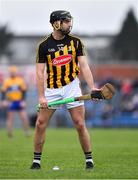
point(106, 92)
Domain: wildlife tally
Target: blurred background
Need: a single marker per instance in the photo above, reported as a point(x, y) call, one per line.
point(109, 31)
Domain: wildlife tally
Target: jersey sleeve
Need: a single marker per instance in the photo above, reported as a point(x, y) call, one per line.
point(41, 54)
point(80, 48)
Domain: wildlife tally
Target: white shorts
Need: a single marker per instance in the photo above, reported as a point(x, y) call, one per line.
point(68, 91)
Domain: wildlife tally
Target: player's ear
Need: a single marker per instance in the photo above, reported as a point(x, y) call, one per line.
point(56, 25)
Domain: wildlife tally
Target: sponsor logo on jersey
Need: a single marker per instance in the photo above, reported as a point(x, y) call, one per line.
point(62, 60)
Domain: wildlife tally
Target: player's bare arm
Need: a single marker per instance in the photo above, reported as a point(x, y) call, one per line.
point(40, 68)
point(86, 72)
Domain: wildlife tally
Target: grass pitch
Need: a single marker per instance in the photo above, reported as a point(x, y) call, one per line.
point(115, 155)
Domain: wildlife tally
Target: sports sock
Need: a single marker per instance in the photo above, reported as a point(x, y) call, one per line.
point(88, 156)
point(37, 157)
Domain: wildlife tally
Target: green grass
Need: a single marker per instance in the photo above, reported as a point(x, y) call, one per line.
point(115, 155)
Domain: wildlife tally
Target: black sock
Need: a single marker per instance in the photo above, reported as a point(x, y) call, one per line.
point(37, 157)
point(88, 157)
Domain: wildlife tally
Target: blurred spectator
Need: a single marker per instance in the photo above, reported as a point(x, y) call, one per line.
point(126, 87)
point(126, 96)
point(107, 114)
point(135, 105)
point(135, 83)
point(13, 99)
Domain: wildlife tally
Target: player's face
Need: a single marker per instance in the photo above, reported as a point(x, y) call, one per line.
point(66, 26)
point(13, 74)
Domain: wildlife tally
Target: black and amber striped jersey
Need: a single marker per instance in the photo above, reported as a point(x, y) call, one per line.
point(61, 59)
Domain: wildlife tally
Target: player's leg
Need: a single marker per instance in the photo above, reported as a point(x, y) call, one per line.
point(9, 123)
point(25, 121)
point(40, 131)
point(78, 117)
point(41, 123)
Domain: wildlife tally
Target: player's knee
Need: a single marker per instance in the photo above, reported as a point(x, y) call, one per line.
point(40, 123)
point(79, 125)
